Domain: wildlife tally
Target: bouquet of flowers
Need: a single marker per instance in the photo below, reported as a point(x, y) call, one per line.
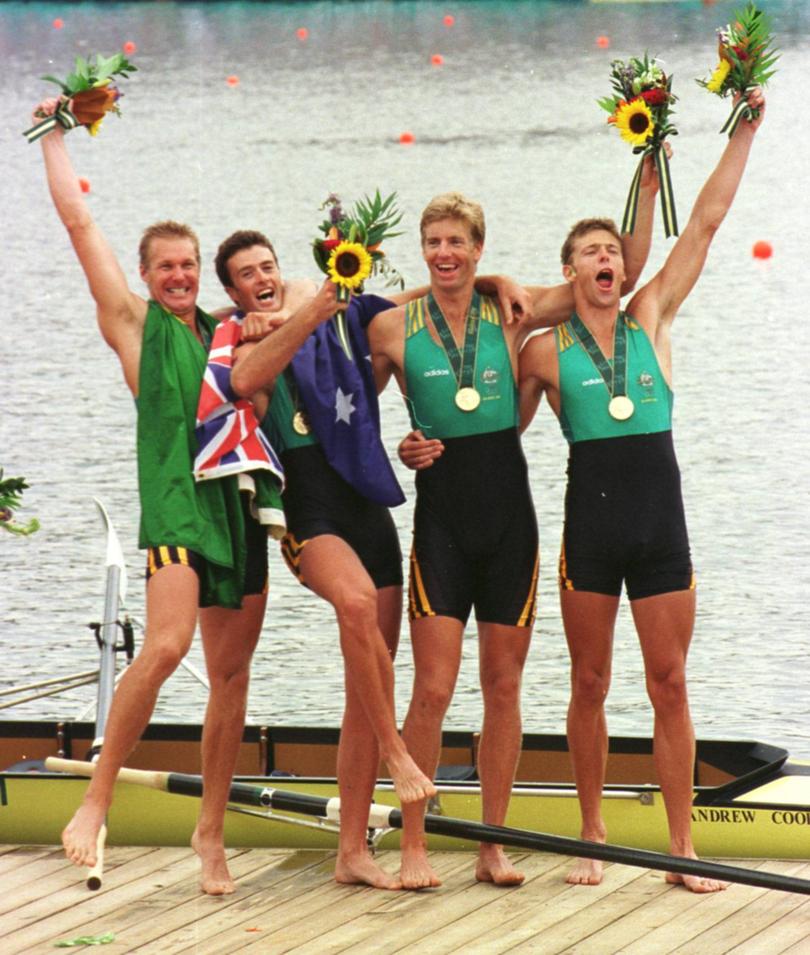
point(10, 498)
point(746, 60)
point(640, 109)
point(88, 94)
point(350, 250)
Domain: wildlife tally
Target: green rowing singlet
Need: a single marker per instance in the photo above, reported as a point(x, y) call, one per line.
point(432, 384)
point(277, 423)
point(584, 396)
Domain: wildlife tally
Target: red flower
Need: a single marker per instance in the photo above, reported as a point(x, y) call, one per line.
point(741, 52)
point(655, 97)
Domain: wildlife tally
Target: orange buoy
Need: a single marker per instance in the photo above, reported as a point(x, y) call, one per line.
point(84, 184)
point(406, 138)
point(302, 33)
point(232, 80)
point(58, 23)
point(762, 250)
point(449, 19)
point(129, 47)
point(603, 42)
point(437, 59)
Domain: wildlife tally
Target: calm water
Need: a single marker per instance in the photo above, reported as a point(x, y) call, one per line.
point(509, 118)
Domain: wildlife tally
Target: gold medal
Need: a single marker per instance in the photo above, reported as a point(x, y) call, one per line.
point(467, 399)
point(621, 407)
point(300, 423)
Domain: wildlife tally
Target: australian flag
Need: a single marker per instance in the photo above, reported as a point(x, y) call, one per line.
point(340, 399)
point(229, 439)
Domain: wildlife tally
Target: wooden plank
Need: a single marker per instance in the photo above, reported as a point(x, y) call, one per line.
point(70, 910)
point(640, 888)
point(790, 934)
point(15, 857)
point(757, 916)
point(288, 902)
point(54, 872)
point(294, 918)
point(523, 914)
point(426, 919)
point(168, 918)
point(668, 920)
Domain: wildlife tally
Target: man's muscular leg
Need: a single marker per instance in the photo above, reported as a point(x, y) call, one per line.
point(665, 623)
point(334, 571)
point(436, 644)
point(589, 619)
point(171, 615)
point(358, 765)
point(229, 638)
point(502, 655)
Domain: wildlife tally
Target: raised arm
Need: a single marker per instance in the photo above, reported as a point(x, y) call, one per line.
point(120, 312)
point(665, 293)
point(268, 359)
point(636, 244)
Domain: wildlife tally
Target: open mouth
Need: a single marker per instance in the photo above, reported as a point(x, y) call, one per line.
point(267, 295)
point(604, 278)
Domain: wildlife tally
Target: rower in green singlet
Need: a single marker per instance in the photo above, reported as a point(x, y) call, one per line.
point(607, 376)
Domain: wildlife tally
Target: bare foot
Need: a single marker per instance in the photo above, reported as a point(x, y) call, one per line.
point(696, 883)
point(410, 783)
point(361, 869)
point(494, 866)
point(215, 879)
point(415, 871)
point(585, 872)
point(80, 835)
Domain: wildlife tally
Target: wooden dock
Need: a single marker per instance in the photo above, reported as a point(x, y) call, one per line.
point(287, 901)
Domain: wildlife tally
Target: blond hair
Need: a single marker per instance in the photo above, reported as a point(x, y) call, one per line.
point(166, 230)
point(454, 205)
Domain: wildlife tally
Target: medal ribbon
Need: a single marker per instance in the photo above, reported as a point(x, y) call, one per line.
point(292, 387)
point(613, 375)
point(62, 117)
point(463, 364)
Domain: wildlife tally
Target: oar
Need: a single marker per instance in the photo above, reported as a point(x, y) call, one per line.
point(381, 817)
point(115, 593)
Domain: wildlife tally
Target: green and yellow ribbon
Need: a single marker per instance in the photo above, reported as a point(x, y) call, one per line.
point(664, 187)
point(62, 117)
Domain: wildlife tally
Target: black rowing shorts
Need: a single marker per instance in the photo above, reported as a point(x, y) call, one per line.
point(317, 501)
point(624, 518)
point(475, 533)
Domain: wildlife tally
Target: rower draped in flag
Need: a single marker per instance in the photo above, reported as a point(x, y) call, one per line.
point(229, 439)
point(340, 398)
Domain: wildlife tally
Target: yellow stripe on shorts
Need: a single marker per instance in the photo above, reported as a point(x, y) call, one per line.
point(418, 603)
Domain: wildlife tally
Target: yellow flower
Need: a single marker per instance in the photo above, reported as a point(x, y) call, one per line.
point(715, 84)
point(93, 128)
point(349, 265)
point(634, 121)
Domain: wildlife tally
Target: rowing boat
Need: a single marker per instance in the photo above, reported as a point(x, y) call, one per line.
point(751, 799)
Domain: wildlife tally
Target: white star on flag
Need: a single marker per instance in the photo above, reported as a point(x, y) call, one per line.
point(343, 407)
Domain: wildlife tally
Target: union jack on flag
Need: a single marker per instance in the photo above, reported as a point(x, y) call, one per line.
point(229, 439)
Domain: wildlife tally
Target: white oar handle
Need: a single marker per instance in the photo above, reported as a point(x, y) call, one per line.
point(141, 777)
point(95, 874)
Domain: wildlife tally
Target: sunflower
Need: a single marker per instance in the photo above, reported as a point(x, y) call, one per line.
point(715, 84)
point(634, 121)
point(349, 265)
